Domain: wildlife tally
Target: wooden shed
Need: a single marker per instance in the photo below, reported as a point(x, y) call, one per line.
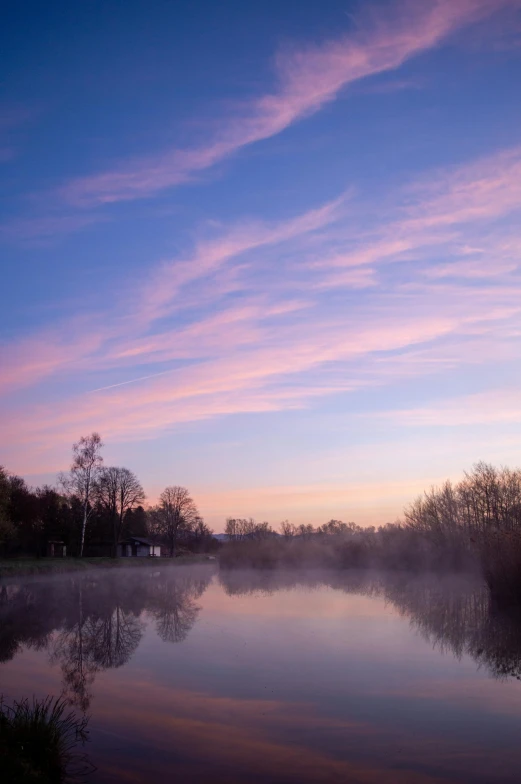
point(56, 549)
point(138, 547)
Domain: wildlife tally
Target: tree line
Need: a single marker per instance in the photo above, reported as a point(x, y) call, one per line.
point(473, 524)
point(93, 508)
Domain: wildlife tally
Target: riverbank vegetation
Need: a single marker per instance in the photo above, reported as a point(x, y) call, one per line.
point(94, 507)
point(39, 742)
point(474, 525)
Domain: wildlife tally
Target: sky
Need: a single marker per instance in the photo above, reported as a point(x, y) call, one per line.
point(270, 251)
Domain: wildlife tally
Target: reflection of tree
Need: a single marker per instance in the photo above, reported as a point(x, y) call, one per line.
point(93, 622)
point(98, 639)
point(94, 644)
point(457, 617)
point(70, 651)
point(455, 614)
point(174, 604)
point(22, 621)
point(113, 639)
point(78, 672)
point(240, 582)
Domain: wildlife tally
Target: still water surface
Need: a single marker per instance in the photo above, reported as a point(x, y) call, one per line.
point(191, 675)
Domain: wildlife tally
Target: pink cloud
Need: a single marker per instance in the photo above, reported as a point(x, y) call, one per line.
point(497, 406)
point(486, 188)
point(262, 376)
point(279, 346)
point(40, 356)
point(29, 360)
point(210, 256)
point(442, 218)
point(79, 342)
point(475, 269)
point(307, 79)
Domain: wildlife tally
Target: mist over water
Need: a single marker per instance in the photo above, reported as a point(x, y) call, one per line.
point(275, 676)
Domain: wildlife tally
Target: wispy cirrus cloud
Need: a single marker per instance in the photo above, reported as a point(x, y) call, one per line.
point(439, 214)
point(30, 359)
point(210, 256)
point(158, 360)
point(497, 406)
point(307, 78)
point(120, 335)
point(274, 369)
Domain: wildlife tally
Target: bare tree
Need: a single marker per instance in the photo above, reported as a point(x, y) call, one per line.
point(201, 534)
point(81, 480)
point(287, 529)
point(176, 511)
point(238, 529)
point(117, 490)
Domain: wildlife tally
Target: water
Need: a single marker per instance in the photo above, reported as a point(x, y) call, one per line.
point(192, 676)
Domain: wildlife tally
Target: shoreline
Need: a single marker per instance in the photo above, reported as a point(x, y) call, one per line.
point(27, 567)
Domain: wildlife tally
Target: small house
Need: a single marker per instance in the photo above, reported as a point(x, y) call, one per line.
point(138, 546)
point(56, 549)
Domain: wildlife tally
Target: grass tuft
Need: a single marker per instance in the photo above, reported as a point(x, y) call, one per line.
point(39, 742)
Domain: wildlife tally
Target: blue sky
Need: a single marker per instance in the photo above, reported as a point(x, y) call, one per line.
point(270, 251)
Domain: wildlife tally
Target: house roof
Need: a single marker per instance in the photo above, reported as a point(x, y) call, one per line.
point(140, 539)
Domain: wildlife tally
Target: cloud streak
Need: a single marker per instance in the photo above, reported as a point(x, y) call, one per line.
point(307, 79)
point(183, 349)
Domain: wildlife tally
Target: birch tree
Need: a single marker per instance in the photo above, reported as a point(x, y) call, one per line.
point(81, 480)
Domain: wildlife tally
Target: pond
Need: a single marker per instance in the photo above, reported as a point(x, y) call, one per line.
point(190, 674)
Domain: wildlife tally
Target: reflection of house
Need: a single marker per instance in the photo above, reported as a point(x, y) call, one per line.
point(56, 549)
point(138, 546)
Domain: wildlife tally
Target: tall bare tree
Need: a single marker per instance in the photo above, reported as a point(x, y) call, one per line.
point(177, 510)
point(117, 490)
point(81, 480)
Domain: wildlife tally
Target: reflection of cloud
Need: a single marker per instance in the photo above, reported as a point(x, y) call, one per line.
point(241, 739)
point(244, 735)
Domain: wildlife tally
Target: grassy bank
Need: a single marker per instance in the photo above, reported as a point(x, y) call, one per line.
point(28, 566)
